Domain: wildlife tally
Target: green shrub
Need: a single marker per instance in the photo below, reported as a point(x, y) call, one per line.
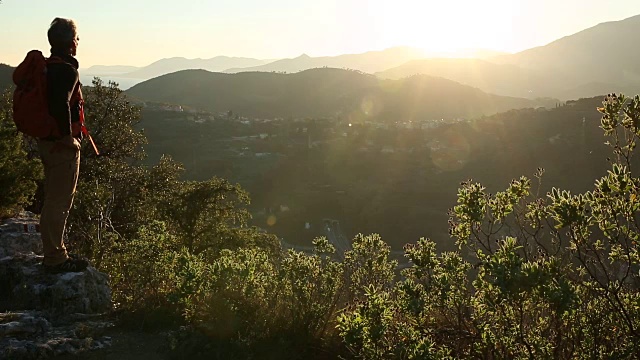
point(143, 270)
point(268, 303)
point(558, 276)
point(554, 277)
point(368, 264)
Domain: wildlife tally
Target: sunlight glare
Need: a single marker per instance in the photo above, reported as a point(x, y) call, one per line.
point(446, 28)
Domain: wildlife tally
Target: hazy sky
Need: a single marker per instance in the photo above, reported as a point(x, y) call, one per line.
point(139, 32)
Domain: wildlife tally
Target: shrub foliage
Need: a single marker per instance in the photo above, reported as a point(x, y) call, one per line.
point(551, 276)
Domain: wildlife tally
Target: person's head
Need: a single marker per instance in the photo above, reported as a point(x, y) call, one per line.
point(63, 36)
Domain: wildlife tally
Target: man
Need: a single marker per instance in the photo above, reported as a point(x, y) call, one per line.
point(60, 154)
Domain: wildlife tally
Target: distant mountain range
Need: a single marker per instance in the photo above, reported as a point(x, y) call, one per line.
point(607, 52)
point(368, 62)
point(102, 70)
point(502, 79)
point(595, 61)
point(325, 92)
point(166, 66)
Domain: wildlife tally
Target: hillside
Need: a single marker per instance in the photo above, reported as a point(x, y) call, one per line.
point(325, 93)
point(604, 54)
point(368, 62)
point(6, 72)
point(576, 66)
point(501, 79)
point(396, 180)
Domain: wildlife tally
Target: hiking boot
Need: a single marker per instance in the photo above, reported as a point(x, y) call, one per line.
point(70, 265)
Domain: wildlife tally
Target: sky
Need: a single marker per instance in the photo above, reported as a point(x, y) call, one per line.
point(139, 32)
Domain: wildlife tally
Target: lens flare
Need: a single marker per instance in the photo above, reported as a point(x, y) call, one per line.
point(366, 106)
point(370, 106)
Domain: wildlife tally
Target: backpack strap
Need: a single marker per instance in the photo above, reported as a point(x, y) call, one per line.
point(77, 103)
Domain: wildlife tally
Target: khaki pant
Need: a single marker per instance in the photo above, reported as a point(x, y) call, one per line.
point(60, 178)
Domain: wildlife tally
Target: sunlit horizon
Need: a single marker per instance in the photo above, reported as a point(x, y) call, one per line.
point(140, 33)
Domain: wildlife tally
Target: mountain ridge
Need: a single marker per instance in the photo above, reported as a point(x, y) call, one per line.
point(588, 54)
point(324, 92)
point(500, 79)
point(173, 64)
point(369, 62)
point(101, 70)
point(575, 66)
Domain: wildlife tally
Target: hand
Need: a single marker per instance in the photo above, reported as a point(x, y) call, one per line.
point(66, 143)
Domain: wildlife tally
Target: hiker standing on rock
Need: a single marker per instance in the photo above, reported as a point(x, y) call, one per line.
point(60, 152)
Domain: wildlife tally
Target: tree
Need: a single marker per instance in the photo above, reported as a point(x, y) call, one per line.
point(136, 221)
point(19, 173)
point(109, 199)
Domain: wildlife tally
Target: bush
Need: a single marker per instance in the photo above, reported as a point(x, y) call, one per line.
point(553, 277)
point(268, 304)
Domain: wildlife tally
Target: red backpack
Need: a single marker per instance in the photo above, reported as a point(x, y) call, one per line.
point(31, 103)
point(30, 99)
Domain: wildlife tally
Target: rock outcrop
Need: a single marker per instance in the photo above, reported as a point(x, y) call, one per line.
point(42, 314)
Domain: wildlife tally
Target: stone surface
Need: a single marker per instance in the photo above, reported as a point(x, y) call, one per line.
point(25, 285)
point(29, 335)
point(19, 236)
point(20, 324)
point(43, 315)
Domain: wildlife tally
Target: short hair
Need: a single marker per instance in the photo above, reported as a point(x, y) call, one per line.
point(61, 32)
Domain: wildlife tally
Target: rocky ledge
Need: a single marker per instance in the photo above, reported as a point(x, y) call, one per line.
point(44, 315)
